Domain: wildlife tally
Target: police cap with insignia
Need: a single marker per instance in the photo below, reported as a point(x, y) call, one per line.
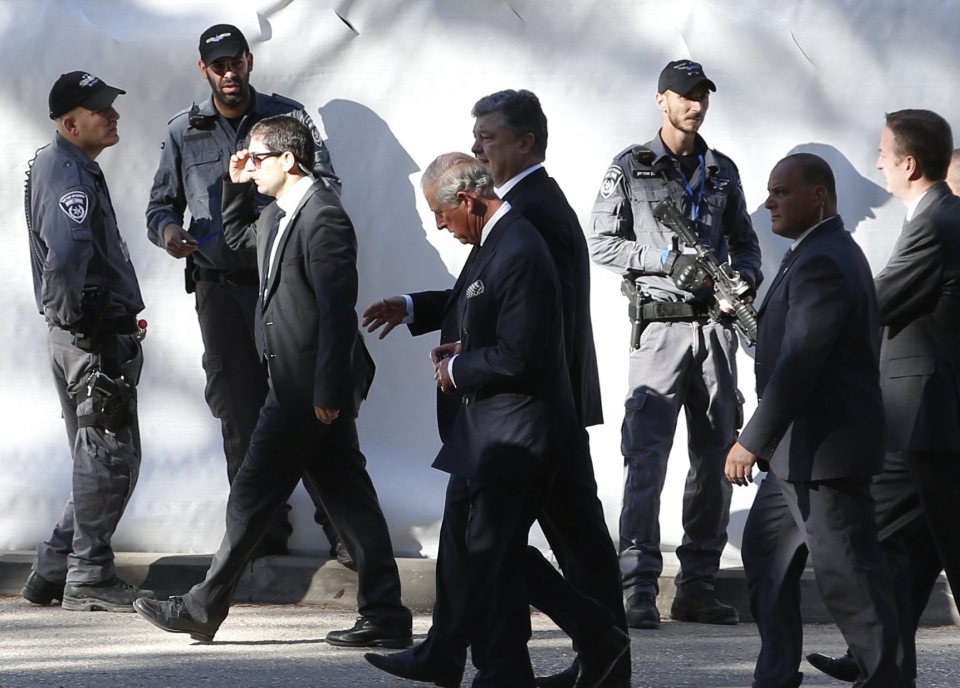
point(222, 40)
point(682, 76)
point(76, 89)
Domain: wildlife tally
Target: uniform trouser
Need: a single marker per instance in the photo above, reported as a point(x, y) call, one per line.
point(105, 468)
point(693, 366)
point(237, 383)
point(571, 517)
point(916, 494)
point(285, 447)
point(832, 522)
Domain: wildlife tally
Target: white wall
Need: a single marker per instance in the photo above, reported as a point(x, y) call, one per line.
point(817, 75)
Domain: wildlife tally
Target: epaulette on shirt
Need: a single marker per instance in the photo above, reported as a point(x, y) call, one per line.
point(288, 101)
point(726, 158)
point(183, 112)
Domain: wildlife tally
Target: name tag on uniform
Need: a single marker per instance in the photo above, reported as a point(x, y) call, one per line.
point(645, 174)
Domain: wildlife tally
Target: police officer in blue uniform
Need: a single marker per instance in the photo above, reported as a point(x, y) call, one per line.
point(87, 290)
point(193, 162)
point(680, 357)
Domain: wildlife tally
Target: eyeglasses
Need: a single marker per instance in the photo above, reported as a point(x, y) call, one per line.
point(224, 65)
point(258, 158)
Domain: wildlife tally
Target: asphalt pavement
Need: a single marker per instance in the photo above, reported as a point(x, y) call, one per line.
point(282, 645)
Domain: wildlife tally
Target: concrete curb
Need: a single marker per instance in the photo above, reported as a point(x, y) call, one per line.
point(316, 580)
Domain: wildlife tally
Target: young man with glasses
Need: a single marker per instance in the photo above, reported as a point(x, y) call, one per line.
point(319, 372)
point(193, 160)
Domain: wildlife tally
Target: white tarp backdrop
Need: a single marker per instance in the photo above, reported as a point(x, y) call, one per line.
point(393, 83)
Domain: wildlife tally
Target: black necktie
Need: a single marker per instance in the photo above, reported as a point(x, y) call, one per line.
point(271, 238)
point(264, 271)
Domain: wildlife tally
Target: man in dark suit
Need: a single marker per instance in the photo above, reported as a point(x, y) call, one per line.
point(818, 431)
point(918, 293)
point(510, 137)
point(319, 371)
point(517, 409)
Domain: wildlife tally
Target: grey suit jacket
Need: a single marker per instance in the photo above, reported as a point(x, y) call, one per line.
point(919, 298)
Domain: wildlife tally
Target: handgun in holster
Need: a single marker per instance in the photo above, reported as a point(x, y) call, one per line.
point(113, 402)
point(636, 298)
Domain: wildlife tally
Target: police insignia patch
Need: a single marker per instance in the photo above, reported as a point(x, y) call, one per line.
point(74, 204)
point(610, 181)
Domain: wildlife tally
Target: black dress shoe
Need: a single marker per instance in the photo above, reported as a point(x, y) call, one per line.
point(172, 615)
point(843, 668)
point(39, 590)
point(598, 660)
point(404, 665)
point(565, 679)
point(371, 633)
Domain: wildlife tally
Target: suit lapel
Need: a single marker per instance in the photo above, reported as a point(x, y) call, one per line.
point(525, 183)
point(790, 257)
point(282, 244)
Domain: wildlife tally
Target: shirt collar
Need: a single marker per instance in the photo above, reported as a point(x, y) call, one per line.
point(291, 199)
point(73, 150)
point(914, 204)
point(516, 179)
point(494, 219)
point(806, 232)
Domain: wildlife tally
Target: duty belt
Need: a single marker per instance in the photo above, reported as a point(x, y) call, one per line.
point(671, 310)
point(236, 278)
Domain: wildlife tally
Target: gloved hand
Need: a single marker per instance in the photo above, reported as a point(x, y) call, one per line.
point(685, 270)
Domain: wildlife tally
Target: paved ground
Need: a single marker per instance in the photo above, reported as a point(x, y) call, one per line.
point(268, 645)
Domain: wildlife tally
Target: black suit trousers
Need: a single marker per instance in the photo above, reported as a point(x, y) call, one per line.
point(285, 447)
point(571, 517)
point(833, 522)
point(917, 495)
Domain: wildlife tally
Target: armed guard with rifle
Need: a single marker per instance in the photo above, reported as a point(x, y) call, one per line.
point(672, 220)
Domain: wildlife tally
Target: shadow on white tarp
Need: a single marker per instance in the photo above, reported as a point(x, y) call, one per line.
point(393, 83)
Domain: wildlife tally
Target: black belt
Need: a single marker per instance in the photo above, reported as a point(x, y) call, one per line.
point(671, 310)
point(236, 278)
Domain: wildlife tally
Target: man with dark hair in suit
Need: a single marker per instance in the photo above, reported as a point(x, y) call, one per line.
point(501, 325)
point(319, 372)
point(510, 138)
point(817, 431)
point(919, 299)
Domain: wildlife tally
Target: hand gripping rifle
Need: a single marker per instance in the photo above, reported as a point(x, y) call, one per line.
point(728, 285)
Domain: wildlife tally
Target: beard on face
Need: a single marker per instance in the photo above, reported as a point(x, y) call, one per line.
point(229, 99)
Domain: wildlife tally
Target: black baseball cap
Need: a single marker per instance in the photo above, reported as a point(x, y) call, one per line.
point(222, 40)
point(682, 76)
point(75, 89)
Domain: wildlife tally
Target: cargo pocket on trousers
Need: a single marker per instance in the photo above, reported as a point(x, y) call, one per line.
point(213, 367)
point(630, 432)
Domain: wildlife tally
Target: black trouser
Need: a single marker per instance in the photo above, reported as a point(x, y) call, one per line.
point(833, 522)
point(917, 497)
point(237, 383)
point(571, 517)
point(283, 449)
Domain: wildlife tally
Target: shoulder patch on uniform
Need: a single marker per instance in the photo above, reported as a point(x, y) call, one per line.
point(75, 204)
point(611, 180)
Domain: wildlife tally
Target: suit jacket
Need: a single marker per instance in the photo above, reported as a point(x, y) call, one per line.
point(820, 414)
point(310, 340)
point(919, 298)
point(511, 371)
point(541, 201)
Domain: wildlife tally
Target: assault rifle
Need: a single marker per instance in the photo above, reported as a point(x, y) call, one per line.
point(728, 285)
